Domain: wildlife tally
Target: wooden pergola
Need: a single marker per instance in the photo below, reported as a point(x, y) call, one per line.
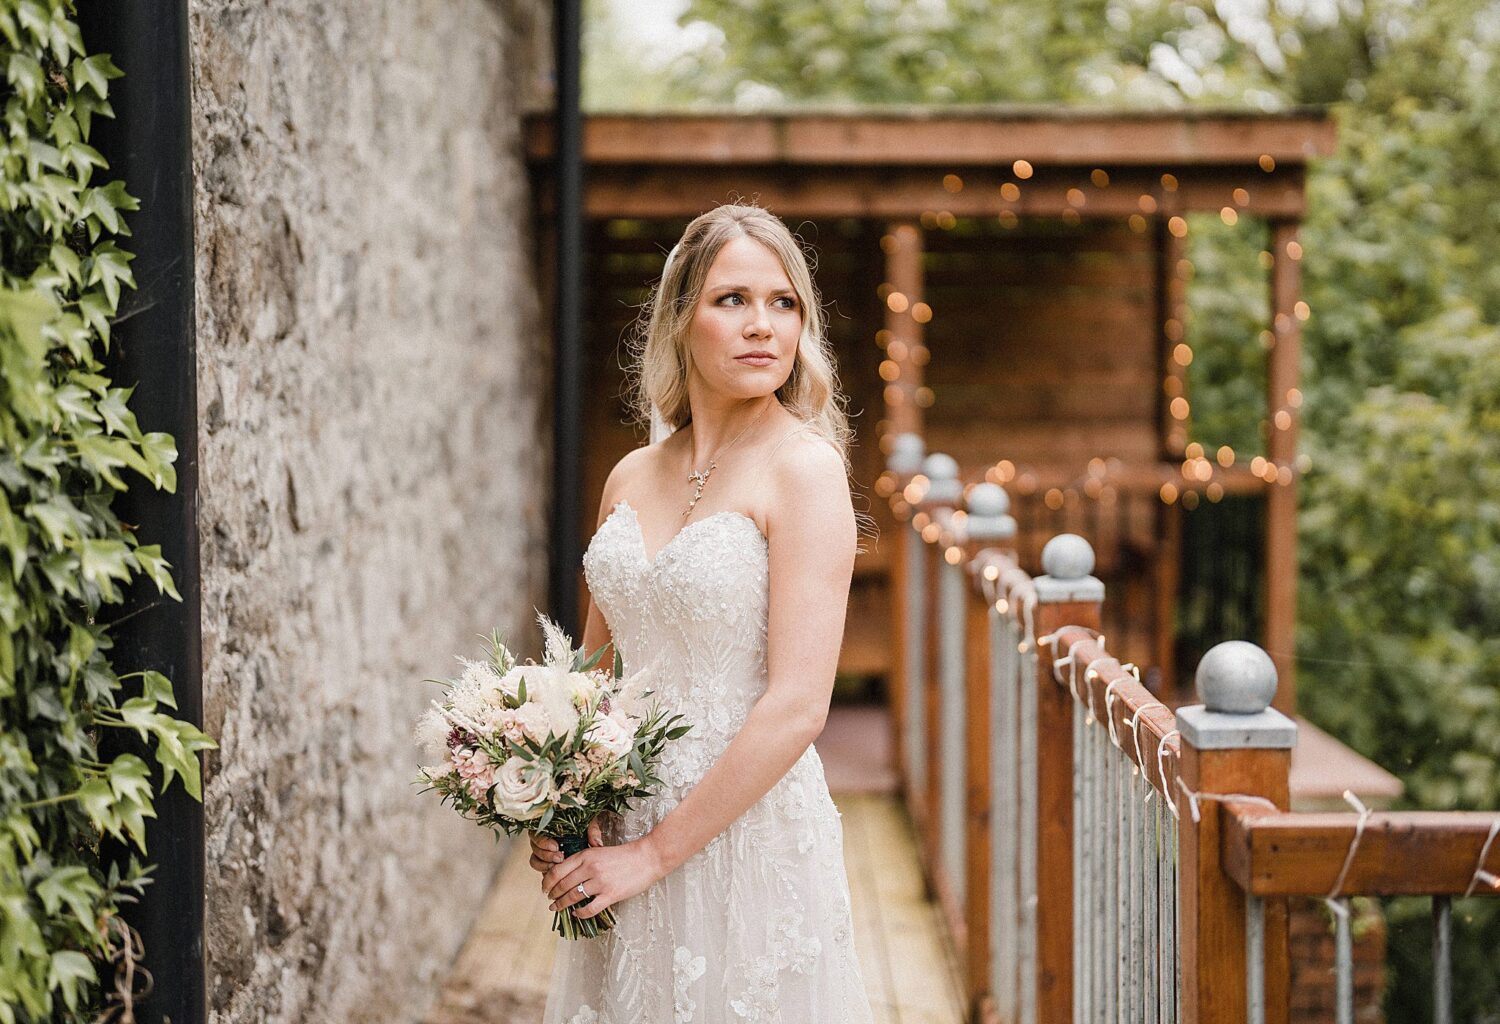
point(1012, 283)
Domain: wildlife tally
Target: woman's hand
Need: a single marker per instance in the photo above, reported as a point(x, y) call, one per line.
point(608, 874)
point(545, 852)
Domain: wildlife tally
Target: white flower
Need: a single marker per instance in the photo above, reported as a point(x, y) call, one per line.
point(431, 734)
point(559, 649)
point(523, 789)
point(609, 734)
point(553, 694)
point(532, 720)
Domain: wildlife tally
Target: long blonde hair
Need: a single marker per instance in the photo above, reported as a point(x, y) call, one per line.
point(658, 375)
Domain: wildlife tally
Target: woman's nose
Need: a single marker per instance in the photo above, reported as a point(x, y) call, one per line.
point(759, 321)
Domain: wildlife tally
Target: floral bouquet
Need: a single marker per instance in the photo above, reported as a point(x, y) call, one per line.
point(544, 748)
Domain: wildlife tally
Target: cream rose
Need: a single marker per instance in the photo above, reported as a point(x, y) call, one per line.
point(609, 734)
point(522, 789)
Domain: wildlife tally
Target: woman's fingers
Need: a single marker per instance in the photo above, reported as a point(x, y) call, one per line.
point(596, 833)
point(572, 895)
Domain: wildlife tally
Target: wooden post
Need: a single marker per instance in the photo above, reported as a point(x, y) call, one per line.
point(903, 272)
point(1234, 743)
point(989, 532)
point(1066, 596)
point(943, 493)
point(1281, 450)
point(903, 462)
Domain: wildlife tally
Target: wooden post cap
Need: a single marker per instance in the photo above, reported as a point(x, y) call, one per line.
point(906, 454)
point(943, 486)
point(988, 520)
point(1236, 682)
point(1067, 560)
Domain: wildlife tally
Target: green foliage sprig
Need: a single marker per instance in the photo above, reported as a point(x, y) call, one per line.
point(66, 433)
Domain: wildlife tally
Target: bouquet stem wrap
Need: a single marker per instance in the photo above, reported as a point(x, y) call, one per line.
point(563, 921)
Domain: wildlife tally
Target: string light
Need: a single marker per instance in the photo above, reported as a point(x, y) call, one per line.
point(953, 183)
point(1021, 169)
point(1100, 177)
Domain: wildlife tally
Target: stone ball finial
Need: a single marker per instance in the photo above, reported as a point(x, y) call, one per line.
point(988, 500)
point(940, 466)
point(906, 454)
point(1236, 677)
point(1068, 557)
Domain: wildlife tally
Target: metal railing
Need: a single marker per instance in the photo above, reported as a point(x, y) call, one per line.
point(1098, 856)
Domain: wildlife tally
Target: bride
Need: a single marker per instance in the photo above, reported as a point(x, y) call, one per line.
point(722, 560)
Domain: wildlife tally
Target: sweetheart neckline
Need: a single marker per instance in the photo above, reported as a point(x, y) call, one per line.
point(640, 535)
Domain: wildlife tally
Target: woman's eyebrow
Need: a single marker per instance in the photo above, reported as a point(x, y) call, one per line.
point(746, 288)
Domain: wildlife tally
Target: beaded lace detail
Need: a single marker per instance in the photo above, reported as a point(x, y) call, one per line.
point(756, 926)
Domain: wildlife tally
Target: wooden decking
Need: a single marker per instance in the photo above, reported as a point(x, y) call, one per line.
point(501, 975)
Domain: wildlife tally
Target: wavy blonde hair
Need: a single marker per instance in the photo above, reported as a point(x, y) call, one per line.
point(658, 376)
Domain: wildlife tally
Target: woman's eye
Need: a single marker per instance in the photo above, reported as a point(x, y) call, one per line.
point(791, 303)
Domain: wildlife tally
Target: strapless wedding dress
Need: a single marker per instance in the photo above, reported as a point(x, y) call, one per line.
point(756, 925)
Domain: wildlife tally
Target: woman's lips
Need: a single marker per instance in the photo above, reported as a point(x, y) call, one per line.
point(756, 360)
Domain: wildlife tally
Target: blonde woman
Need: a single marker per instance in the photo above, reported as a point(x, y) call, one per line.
point(722, 559)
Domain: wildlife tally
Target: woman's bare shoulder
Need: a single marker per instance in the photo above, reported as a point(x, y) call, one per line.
point(808, 473)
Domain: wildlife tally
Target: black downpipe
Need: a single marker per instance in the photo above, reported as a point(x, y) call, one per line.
point(149, 145)
point(567, 425)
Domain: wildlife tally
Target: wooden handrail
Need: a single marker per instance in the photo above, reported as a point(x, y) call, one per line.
point(1400, 853)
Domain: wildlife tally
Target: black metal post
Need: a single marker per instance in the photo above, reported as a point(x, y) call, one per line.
point(149, 145)
point(567, 458)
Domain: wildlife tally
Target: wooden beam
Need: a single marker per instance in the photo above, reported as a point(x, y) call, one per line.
point(679, 191)
point(1400, 853)
point(939, 138)
point(1281, 450)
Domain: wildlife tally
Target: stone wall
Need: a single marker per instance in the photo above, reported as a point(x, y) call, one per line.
point(374, 469)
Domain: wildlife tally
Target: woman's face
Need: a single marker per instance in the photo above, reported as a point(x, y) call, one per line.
point(743, 336)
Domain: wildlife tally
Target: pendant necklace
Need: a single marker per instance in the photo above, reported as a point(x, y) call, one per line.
point(700, 477)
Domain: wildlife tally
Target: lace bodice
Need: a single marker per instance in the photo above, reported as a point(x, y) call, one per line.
point(696, 613)
point(757, 925)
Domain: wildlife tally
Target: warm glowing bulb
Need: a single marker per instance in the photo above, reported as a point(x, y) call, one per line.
point(1022, 169)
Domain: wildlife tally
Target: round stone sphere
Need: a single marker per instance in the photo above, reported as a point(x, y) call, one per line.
point(906, 454)
point(988, 500)
point(940, 466)
point(1236, 677)
point(1068, 557)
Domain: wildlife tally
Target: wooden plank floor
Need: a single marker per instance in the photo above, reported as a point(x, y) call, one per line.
point(501, 975)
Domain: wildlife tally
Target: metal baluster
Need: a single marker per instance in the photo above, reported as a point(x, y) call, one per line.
point(1343, 962)
point(1080, 868)
point(1136, 915)
point(1151, 917)
point(1101, 876)
point(1007, 765)
point(1442, 960)
point(1255, 959)
point(952, 812)
point(1028, 895)
point(1169, 859)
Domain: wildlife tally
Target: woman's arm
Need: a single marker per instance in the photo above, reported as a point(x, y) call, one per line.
point(812, 537)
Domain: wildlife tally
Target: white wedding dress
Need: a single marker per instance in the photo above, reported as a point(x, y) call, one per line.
point(756, 925)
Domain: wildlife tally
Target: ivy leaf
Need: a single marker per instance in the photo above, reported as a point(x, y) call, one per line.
point(71, 973)
point(76, 403)
point(158, 569)
point(160, 451)
point(94, 73)
point(71, 885)
point(102, 560)
point(118, 419)
point(157, 686)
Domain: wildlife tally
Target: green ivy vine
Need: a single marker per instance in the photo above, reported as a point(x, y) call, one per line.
point(66, 435)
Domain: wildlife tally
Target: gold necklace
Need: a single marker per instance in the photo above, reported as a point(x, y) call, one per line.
point(700, 477)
